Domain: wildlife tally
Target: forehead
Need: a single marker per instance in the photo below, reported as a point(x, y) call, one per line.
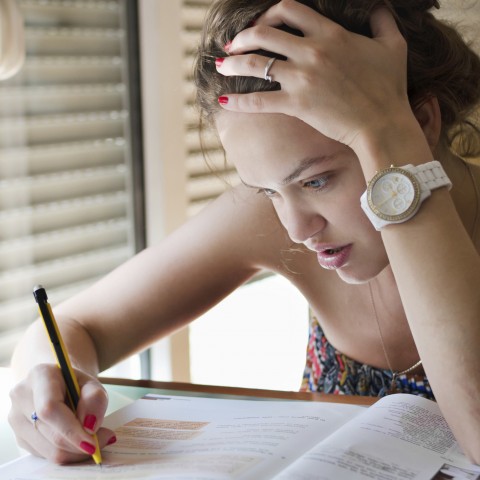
point(263, 129)
point(264, 147)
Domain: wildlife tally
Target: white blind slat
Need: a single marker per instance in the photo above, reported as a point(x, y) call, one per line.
point(20, 222)
point(72, 41)
point(42, 100)
point(66, 70)
point(85, 13)
point(55, 187)
point(62, 243)
point(34, 160)
point(211, 186)
point(47, 129)
point(203, 184)
point(65, 195)
point(69, 270)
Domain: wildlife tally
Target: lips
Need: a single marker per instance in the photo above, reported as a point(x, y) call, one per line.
point(333, 257)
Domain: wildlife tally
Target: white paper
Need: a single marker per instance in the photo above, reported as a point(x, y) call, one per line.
point(200, 438)
point(401, 437)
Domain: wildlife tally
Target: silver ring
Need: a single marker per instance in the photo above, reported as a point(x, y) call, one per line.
point(34, 418)
point(268, 66)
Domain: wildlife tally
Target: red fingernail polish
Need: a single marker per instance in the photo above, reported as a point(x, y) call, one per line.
point(219, 61)
point(89, 422)
point(87, 447)
point(227, 46)
point(222, 100)
point(111, 440)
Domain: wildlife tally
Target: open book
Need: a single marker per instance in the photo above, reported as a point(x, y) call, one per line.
point(174, 437)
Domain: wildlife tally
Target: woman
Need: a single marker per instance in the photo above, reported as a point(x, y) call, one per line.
point(398, 292)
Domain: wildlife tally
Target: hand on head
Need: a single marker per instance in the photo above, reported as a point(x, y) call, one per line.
point(58, 435)
point(337, 81)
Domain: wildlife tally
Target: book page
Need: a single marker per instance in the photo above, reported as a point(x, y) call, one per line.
point(201, 438)
point(401, 437)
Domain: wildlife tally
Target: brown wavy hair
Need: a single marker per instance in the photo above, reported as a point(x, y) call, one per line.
point(440, 63)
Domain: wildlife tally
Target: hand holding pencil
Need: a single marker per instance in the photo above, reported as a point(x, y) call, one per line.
point(42, 415)
point(63, 361)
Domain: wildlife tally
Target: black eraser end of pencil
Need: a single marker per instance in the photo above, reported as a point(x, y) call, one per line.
point(39, 293)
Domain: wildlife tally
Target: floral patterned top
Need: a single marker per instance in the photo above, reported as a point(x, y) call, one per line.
point(329, 371)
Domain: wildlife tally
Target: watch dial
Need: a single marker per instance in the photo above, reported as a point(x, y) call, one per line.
point(393, 194)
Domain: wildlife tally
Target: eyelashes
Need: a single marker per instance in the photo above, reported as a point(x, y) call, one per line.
point(268, 192)
point(316, 184)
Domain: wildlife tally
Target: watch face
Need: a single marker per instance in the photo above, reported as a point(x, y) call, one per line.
point(393, 194)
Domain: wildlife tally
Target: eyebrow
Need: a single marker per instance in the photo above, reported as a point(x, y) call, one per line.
point(305, 164)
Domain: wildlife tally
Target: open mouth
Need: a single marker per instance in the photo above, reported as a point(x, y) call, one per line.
point(333, 258)
point(333, 251)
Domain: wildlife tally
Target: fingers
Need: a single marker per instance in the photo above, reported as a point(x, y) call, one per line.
point(58, 434)
point(43, 442)
point(258, 102)
point(264, 35)
point(327, 59)
point(252, 65)
point(295, 15)
point(265, 38)
point(93, 403)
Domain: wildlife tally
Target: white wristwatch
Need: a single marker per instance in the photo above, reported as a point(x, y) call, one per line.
point(395, 194)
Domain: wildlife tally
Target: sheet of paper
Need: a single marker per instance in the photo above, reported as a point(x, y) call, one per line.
point(401, 437)
point(200, 438)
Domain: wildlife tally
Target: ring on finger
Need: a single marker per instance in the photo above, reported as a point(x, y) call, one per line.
point(268, 66)
point(34, 418)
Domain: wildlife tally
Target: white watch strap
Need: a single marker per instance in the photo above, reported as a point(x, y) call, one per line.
point(431, 175)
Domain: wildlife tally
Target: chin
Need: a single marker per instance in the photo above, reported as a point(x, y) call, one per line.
point(360, 276)
point(353, 279)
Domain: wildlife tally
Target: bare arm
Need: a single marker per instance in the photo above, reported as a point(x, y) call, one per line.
point(437, 270)
point(153, 294)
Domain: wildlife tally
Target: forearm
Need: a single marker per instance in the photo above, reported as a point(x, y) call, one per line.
point(34, 348)
point(437, 271)
point(439, 283)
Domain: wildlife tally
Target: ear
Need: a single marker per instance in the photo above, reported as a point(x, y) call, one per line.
point(430, 119)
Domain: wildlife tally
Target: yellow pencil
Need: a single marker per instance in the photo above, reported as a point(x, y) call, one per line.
point(61, 354)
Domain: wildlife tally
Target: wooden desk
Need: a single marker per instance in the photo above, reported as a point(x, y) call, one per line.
point(169, 388)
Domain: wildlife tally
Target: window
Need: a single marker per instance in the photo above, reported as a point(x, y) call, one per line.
point(70, 155)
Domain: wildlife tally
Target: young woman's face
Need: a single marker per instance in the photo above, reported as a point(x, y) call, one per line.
point(314, 184)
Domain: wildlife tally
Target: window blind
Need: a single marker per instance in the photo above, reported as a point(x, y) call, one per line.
point(206, 180)
point(69, 156)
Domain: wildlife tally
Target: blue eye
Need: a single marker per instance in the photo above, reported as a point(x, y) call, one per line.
point(316, 183)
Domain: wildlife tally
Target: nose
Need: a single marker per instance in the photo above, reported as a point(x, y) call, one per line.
point(301, 220)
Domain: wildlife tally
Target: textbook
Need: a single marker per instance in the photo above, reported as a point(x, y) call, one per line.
point(193, 438)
